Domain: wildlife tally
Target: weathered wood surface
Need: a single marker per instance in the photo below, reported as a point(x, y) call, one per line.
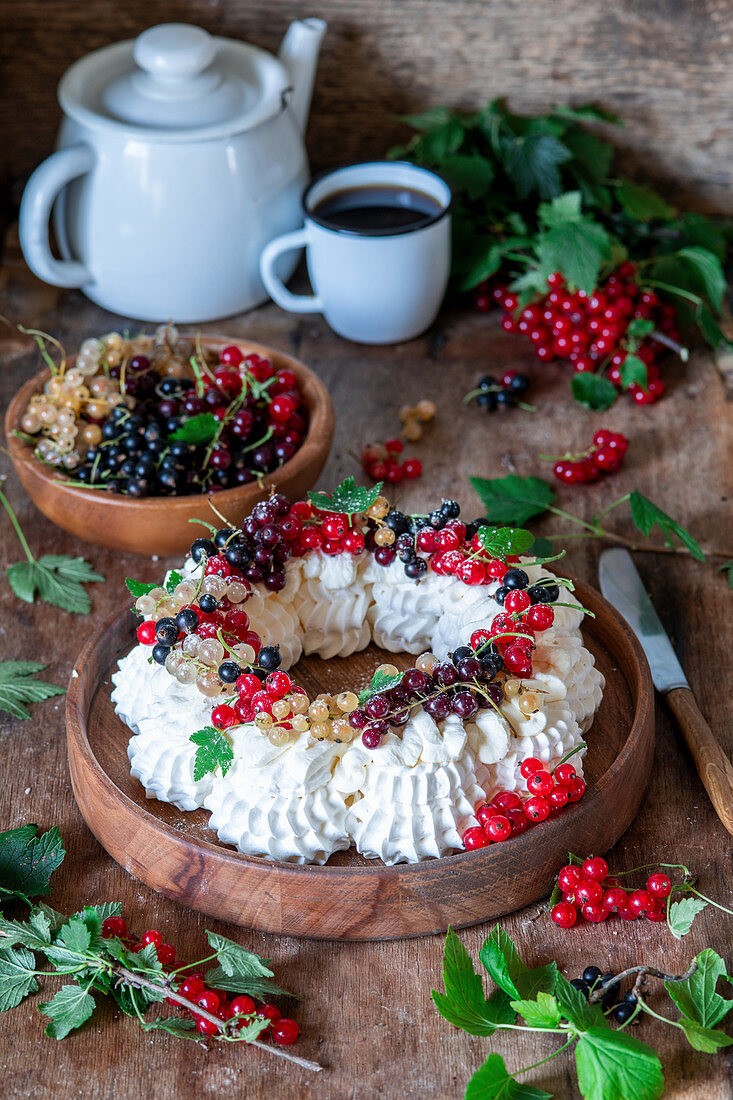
point(664, 68)
point(366, 1010)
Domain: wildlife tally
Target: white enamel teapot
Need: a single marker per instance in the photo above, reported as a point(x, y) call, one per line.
point(179, 157)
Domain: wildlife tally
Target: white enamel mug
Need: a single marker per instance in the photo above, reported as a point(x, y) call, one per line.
point(372, 286)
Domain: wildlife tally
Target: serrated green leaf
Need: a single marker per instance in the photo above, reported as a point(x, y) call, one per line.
point(501, 959)
point(563, 209)
point(380, 682)
point(513, 500)
point(593, 391)
point(236, 960)
point(22, 932)
point(577, 249)
point(591, 156)
point(198, 429)
point(69, 1009)
point(178, 1026)
point(612, 1065)
point(575, 1007)
point(642, 203)
point(464, 1003)
point(543, 1012)
point(259, 988)
point(93, 917)
point(56, 579)
point(75, 936)
point(532, 163)
point(586, 112)
point(503, 542)
point(492, 1081)
point(709, 271)
point(139, 588)
point(697, 997)
point(348, 498)
point(16, 977)
point(427, 120)
point(646, 515)
point(470, 173)
point(27, 861)
point(633, 372)
point(639, 327)
point(706, 1039)
point(18, 686)
point(214, 751)
point(173, 580)
point(439, 142)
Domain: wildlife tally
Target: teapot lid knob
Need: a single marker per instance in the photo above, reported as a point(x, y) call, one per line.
point(174, 51)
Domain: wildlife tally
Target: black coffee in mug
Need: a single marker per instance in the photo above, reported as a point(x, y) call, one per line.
point(377, 210)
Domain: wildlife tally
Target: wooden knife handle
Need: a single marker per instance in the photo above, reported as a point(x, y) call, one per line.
point(711, 762)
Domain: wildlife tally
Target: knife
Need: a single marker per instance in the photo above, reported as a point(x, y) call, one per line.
point(622, 586)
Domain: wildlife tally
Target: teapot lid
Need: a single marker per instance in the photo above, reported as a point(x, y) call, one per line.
point(175, 82)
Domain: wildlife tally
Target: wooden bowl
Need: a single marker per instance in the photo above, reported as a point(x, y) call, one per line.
point(160, 525)
point(352, 898)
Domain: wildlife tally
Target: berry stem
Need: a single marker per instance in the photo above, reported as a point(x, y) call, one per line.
point(16, 526)
point(643, 971)
point(709, 900)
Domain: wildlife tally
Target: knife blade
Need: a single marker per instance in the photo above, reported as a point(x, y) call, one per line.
point(623, 587)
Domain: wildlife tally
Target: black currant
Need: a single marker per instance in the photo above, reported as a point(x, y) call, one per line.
point(451, 509)
point(166, 631)
point(543, 593)
point(519, 383)
point(630, 997)
point(491, 662)
point(136, 487)
point(269, 658)
point(187, 620)
point(505, 397)
point(416, 568)
point(581, 986)
point(436, 519)
point(201, 547)
point(221, 537)
point(398, 522)
point(160, 652)
point(591, 974)
point(486, 382)
point(237, 554)
point(622, 1012)
point(459, 654)
point(487, 401)
point(208, 603)
point(501, 594)
point(407, 555)
point(228, 672)
point(515, 578)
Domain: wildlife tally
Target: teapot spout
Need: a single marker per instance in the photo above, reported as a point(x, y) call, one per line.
point(299, 54)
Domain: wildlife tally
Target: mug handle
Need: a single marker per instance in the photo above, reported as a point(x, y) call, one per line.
point(41, 191)
point(294, 303)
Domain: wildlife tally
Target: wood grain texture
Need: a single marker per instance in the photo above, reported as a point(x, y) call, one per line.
point(664, 68)
point(352, 898)
point(366, 1011)
point(162, 525)
point(711, 762)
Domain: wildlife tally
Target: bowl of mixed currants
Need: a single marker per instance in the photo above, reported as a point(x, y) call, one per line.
point(136, 436)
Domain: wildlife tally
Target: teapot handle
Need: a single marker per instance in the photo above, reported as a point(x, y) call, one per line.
point(294, 303)
point(42, 190)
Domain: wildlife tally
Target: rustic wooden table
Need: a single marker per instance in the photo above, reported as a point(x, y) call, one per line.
point(366, 1011)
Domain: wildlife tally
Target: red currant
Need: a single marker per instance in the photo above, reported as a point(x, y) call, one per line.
point(564, 914)
point(231, 355)
point(146, 633)
point(517, 660)
point(278, 684)
point(540, 782)
point(564, 774)
point(243, 1006)
point(205, 1027)
point(589, 891)
point(658, 913)
point(223, 716)
point(152, 936)
point(615, 898)
point(540, 616)
point(166, 953)
point(412, 468)
point(517, 600)
point(569, 878)
point(628, 913)
point(471, 572)
point(506, 800)
point(576, 789)
point(595, 868)
point(191, 988)
point(269, 1012)
point(558, 797)
point(595, 912)
point(475, 838)
point(285, 1031)
point(537, 808)
point(498, 828)
point(529, 766)
point(483, 814)
point(518, 820)
point(208, 1000)
point(641, 901)
point(659, 885)
point(114, 927)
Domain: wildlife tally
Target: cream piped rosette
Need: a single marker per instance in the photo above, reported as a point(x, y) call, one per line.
point(331, 604)
point(279, 802)
point(404, 613)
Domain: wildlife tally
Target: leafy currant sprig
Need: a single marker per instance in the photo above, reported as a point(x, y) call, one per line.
point(513, 499)
point(610, 1064)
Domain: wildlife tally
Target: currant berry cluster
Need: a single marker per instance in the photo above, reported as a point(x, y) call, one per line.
point(113, 419)
point(604, 457)
point(281, 1029)
point(509, 813)
point(589, 891)
point(491, 394)
point(620, 1007)
point(381, 462)
point(592, 330)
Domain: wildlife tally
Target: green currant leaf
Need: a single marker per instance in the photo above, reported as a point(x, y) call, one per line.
point(74, 936)
point(544, 1012)
point(173, 580)
point(563, 209)
point(727, 568)
point(503, 542)
point(235, 960)
point(348, 498)
point(16, 976)
point(427, 120)
point(492, 1081)
point(593, 391)
point(259, 988)
point(18, 686)
point(139, 588)
point(198, 429)
point(633, 372)
point(179, 1027)
point(697, 997)
point(27, 861)
point(22, 932)
point(380, 682)
point(578, 249)
point(709, 271)
point(93, 917)
point(470, 173)
point(575, 1007)
point(69, 1009)
point(532, 163)
point(513, 500)
point(706, 1039)
point(214, 751)
point(56, 579)
point(612, 1065)
point(641, 203)
point(646, 516)
point(501, 958)
point(638, 328)
point(464, 1003)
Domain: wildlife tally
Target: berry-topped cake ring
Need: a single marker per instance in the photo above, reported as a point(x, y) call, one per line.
point(476, 742)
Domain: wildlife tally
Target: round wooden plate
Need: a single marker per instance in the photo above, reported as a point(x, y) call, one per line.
point(352, 898)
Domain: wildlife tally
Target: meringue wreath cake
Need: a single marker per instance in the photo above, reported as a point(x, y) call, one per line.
point(494, 710)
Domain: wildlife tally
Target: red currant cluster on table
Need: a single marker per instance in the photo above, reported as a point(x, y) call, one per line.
point(198, 628)
point(588, 891)
point(510, 813)
point(381, 461)
point(591, 330)
point(604, 457)
point(241, 1009)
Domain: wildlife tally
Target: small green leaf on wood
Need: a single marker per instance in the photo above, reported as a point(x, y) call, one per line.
point(198, 429)
point(464, 1003)
point(56, 579)
point(513, 500)
point(646, 515)
point(348, 498)
point(501, 958)
point(697, 997)
point(69, 1009)
point(27, 861)
point(503, 542)
point(682, 914)
point(592, 391)
point(16, 976)
point(19, 686)
point(706, 1039)
point(237, 960)
point(492, 1081)
point(214, 751)
point(612, 1065)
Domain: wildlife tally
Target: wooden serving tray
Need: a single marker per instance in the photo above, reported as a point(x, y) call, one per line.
point(352, 898)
